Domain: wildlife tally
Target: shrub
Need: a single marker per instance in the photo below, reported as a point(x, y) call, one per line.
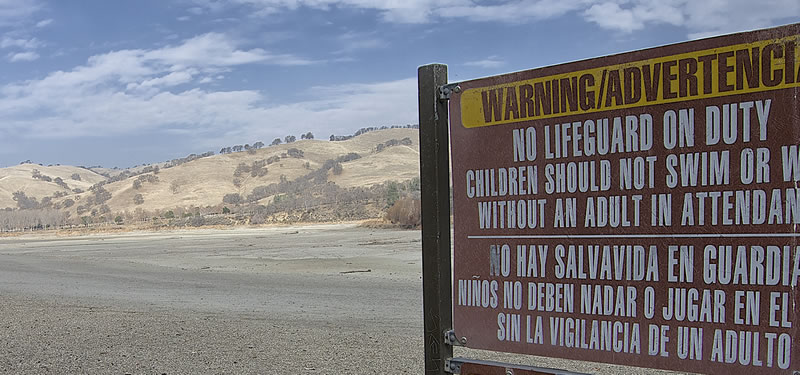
point(406, 212)
point(241, 169)
point(196, 221)
point(295, 153)
point(348, 157)
point(233, 198)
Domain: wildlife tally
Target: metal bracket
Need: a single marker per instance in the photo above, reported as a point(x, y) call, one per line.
point(451, 339)
point(451, 366)
point(446, 90)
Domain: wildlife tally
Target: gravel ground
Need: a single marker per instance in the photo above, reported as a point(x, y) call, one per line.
point(321, 299)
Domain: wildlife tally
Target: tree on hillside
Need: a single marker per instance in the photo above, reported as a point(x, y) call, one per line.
point(76, 177)
point(258, 144)
point(289, 139)
point(138, 199)
point(101, 195)
point(308, 135)
point(24, 202)
point(275, 142)
point(58, 181)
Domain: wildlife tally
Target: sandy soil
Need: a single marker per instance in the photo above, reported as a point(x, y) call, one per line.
point(314, 299)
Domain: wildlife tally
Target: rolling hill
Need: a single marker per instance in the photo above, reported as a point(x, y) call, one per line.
point(309, 173)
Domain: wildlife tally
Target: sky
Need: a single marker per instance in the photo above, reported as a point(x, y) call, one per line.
point(122, 83)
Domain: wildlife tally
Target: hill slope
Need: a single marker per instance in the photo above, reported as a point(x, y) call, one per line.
point(305, 169)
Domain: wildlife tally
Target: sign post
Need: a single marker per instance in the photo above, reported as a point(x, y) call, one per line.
point(435, 200)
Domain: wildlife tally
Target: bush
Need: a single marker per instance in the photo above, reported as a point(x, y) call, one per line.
point(348, 157)
point(233, 198)
point(406, 212)
point(295, 153)
point(138, 199)
point(196, 221)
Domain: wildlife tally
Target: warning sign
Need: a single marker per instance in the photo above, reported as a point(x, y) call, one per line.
point(638, 209)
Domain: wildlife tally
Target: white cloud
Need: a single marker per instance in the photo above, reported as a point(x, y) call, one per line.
point(489, 62)
point(22, 56)
point(713, 17)
point(16, 11)
point(352, 41)
point(44, 23)
point(699, 18)
point(510, 11)
point(335, 110)
point(195, 10)
point(134, 91)
point(218, 50)
point(31, 43)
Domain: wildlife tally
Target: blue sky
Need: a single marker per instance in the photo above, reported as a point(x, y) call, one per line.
point(120, 83)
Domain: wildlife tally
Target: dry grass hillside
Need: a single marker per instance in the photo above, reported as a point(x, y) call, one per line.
point(370, 159)
point(20, 178)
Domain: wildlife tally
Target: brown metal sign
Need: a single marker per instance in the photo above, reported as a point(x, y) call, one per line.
point(638, 209)
point(477, 367)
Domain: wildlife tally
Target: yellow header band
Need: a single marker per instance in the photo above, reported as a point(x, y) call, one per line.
point(729, 70)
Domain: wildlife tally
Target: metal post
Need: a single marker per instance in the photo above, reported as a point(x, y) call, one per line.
point(435, 181)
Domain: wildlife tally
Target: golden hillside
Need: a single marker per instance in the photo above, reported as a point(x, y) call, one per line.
point(20, 178)
point(204, 182)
